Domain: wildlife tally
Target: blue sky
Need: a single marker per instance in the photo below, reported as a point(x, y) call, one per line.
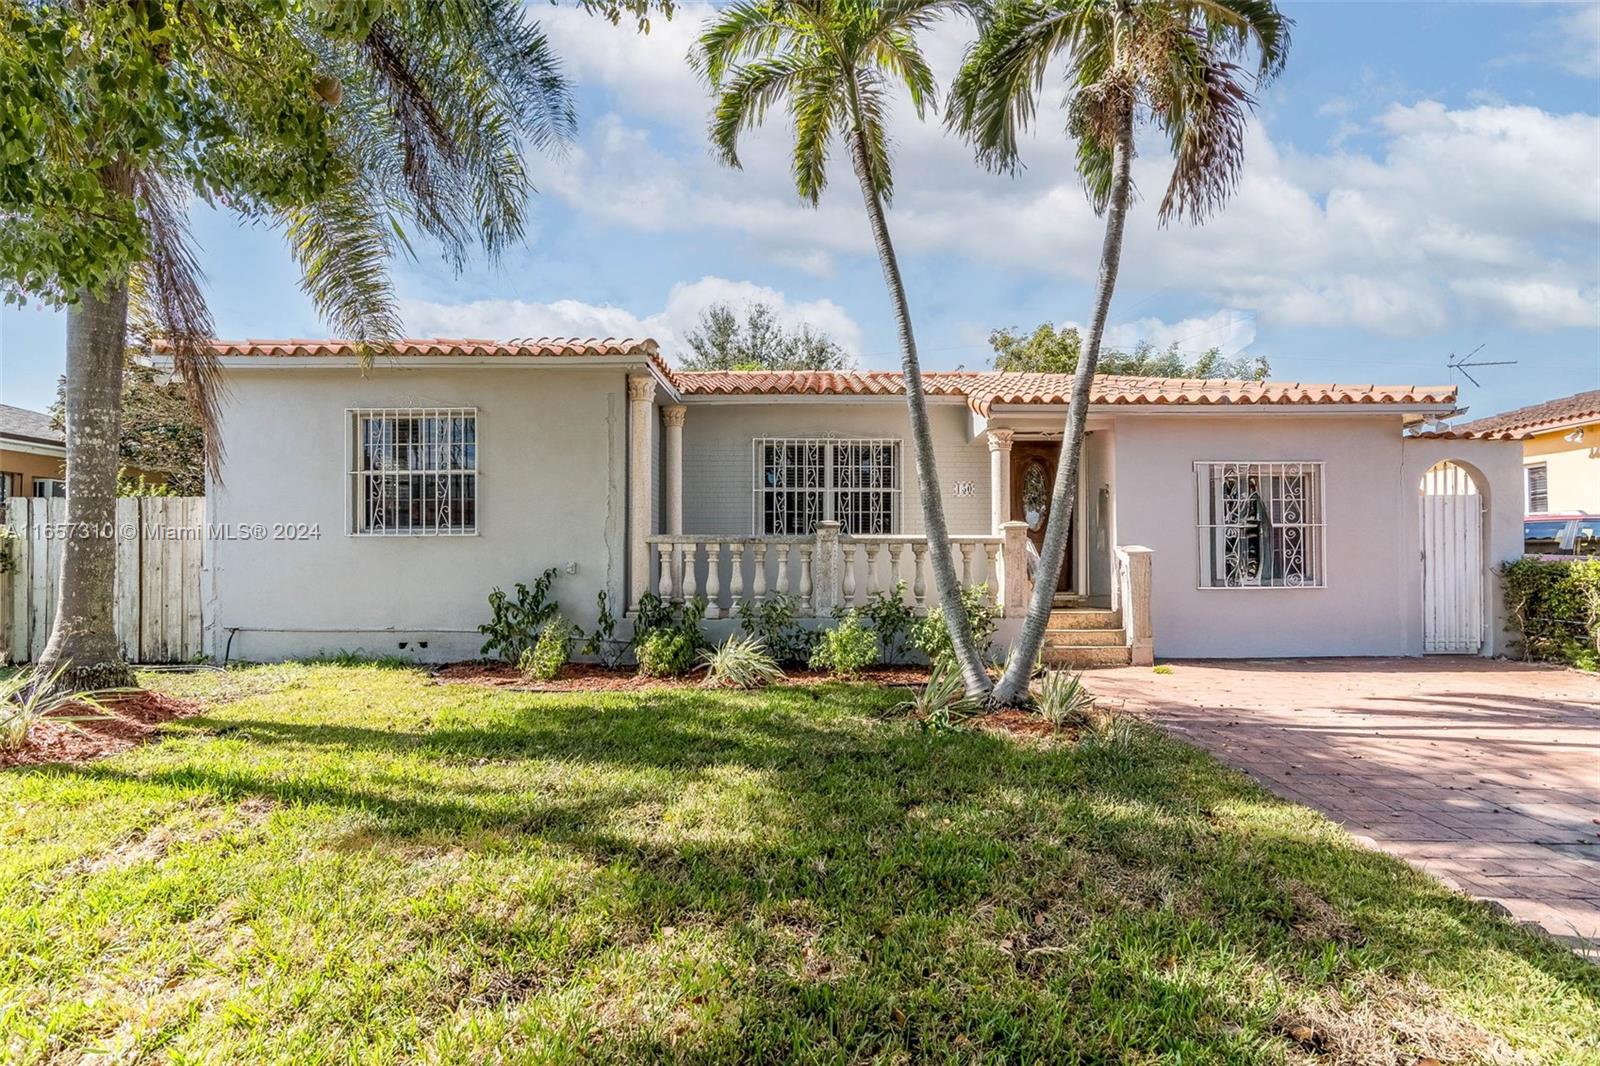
point(1423, 179)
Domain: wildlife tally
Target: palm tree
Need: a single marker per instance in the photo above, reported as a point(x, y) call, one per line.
point(1170, 61)
point(834, 63)
point(344, 126)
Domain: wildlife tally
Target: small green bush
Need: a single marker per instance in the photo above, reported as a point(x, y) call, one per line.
point(667, 653)
point(739, 662)
point(846, 649)
point(1064, 700)
point(892, 619)
point(667, 636)
point(930, 636)
point(549, 654)
point(774, 623)
point(942, 704)
point(515, 624)
point(1554, 608)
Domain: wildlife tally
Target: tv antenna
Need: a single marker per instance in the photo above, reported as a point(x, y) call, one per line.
point(1463, 362)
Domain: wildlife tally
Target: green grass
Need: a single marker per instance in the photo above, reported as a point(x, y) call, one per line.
point(348, 864)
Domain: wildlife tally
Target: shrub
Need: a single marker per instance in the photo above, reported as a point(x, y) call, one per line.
point(24, 704)
point(549, 653)
point(603, 642)
point(848, 648)
point(931, 637)
point(773, 622)
point(515, 624)
point(1554, 608)
point(1064, 699)
point(666, 652)
point(892, 619)
point(942, 703)
point(739, 662)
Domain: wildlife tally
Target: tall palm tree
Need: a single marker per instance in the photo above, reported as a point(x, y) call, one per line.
point(343, 125)
point(1169, 61)
point(834, 64)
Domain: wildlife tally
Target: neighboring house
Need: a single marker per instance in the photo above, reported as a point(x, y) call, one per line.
point(373, 508)
point(33, 454)
point(1560, 452)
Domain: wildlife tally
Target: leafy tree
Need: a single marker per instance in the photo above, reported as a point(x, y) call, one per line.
point(1048, 350)
point(1169, 61)
point(346, 126)
point(758, 341)
point(161, 435)
point(834, 64)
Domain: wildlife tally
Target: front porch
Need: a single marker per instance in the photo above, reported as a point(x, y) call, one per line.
point(813, 546)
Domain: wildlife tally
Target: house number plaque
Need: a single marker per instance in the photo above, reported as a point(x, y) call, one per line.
point(966, 488)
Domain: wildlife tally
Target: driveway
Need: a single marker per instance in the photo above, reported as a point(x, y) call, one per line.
point(1486, 774)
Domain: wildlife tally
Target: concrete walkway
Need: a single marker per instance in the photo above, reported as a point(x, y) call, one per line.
point(1486, 774)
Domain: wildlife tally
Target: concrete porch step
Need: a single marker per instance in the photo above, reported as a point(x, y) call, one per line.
point(1084, 618)
point(1083, 638)
point(1079, 657)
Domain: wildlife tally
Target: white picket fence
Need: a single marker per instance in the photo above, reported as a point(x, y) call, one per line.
point(160, 615)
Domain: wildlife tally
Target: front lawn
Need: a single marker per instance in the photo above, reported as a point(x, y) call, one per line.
point(351, 864)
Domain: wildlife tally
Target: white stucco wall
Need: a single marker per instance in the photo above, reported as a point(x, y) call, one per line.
point(718, 464)
point(1372, 604)
point(552, 492)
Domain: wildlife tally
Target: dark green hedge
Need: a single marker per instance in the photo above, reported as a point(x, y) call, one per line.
point(1554, 607)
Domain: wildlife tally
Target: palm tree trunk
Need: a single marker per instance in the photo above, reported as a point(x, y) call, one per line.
point(1013, 686)
point(83, 641)
point(945, 583)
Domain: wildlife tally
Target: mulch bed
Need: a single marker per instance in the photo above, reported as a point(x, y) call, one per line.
point(129, 719)
point(592, 677)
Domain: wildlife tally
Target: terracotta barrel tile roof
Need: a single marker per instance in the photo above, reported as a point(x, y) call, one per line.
point(985, 389)
point(438, 346)
point(1567, 411)
point(982, 390)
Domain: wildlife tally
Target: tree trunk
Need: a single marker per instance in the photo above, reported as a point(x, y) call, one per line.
point(83, 642)
point(945, 582)
point(1013, 687)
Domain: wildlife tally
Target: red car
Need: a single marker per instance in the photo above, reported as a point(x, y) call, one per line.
point(1561, 535)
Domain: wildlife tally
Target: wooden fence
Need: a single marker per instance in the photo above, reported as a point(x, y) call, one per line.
point(160, 616)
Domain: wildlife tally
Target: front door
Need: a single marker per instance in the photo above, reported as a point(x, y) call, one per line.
point(1033, 480)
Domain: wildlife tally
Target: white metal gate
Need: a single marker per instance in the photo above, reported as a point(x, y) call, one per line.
point(1452, 561)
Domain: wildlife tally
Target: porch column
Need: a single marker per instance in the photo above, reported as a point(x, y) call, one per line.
point(641, 398)
point(999, 478)
point(672, 477)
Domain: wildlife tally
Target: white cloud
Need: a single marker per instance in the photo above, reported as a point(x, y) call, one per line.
point(1227, 329)
point(1576, 39)
point(502, 319)
point(1483, 213)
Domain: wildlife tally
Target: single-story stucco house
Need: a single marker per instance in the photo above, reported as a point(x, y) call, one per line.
point(373, 508)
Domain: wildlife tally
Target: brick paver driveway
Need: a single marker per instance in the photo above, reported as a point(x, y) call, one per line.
point(1485, 773)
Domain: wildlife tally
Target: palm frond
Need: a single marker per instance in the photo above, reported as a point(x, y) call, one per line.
point(996, 93)
point(817, 108)
point(168, 303)
point(1197, 97)
point(749, 92)
point(740, 31)
point(1240, 25)
point(872, 103)
point(898, 54)
point(343, 249)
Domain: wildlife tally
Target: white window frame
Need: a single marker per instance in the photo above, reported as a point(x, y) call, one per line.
point(358, 478)
point(1307, 515)
point(829, 488)
point(58, 485)
point(1527, 488)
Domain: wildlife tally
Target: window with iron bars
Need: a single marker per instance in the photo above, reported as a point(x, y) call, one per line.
point(413, 471)
point(800, 482)
point(1260, 524)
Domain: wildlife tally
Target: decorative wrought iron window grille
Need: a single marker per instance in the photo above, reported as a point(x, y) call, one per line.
point(1260, 524)
point(800, 482)
point(413, 471)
